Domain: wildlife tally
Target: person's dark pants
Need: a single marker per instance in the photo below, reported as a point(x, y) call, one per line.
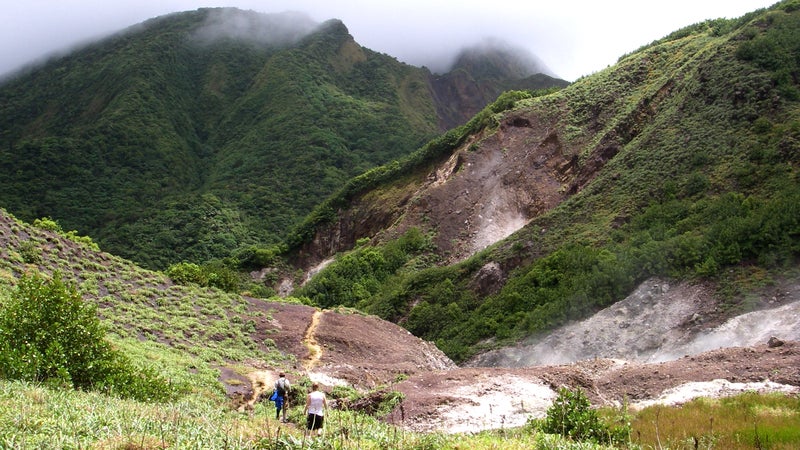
point(279, 402)
point(314, 422)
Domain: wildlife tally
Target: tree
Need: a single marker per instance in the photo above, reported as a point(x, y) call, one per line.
point(49, 334)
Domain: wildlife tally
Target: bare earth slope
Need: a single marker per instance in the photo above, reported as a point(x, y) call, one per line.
point(471, 399)
point(663, 344)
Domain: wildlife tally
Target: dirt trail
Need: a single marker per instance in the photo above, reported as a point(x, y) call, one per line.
point(310, 341)
point(260, 380)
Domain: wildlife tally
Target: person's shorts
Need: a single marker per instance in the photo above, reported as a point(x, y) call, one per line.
point(314, 422)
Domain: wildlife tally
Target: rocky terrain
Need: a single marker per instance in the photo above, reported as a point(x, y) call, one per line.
point(628, 354)
point(666, 342)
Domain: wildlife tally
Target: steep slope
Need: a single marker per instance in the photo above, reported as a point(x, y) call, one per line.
point(147, 311)
point(196, 134)
point(680, 161)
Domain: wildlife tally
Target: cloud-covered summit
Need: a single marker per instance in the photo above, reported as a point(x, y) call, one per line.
point(270, 29)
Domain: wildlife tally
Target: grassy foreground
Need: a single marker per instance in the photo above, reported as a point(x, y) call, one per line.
point(36, 416)
point(39, 416)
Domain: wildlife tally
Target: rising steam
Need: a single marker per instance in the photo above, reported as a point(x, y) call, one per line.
point(657, 322)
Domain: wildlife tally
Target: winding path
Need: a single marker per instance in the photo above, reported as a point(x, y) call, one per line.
point(314, 349)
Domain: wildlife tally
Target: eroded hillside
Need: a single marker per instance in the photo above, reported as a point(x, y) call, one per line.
point(240, 331)
point(679, 161)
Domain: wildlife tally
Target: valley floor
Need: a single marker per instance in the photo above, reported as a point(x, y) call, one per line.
point(471, 399)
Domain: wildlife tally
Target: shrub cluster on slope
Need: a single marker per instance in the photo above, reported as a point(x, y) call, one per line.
point(49, 334)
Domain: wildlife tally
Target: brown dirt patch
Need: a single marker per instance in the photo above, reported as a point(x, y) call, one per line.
point(479, 398)
point(334, 348)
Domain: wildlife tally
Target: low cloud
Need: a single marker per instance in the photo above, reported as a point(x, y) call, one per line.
point(268, 29)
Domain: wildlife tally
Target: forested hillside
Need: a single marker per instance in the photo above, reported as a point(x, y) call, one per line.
point(681, 161)
point(197, 134)
point(186, 140)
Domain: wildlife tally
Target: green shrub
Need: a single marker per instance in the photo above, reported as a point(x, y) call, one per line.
point(572, 416)
point(46, 223)
point(207, 275)
point(49, 334)
point(184, 273)
point(30, 252)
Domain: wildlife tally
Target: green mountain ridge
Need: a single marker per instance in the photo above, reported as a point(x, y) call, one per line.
point(681, 161)
point(198, 133)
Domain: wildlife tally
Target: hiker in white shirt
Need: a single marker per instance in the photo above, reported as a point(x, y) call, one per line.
point(316, 405)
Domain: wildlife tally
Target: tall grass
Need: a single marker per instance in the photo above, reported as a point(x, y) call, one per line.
point(35, 416)
point(747, 421)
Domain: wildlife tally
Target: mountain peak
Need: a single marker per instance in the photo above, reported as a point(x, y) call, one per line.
point(495, 58)
point(272, 29)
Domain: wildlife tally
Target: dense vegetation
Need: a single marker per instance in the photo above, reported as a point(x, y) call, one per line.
point(706, 188)
point(194, 135)
point(167, 148)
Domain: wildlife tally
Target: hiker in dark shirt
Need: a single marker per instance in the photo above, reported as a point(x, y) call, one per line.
point(281, 396)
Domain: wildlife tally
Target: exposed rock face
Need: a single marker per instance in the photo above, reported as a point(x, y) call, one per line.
point(485, 192)
point(489, 279)
point(657, 322)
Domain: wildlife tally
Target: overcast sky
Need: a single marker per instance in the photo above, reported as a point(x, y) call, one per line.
point(573, 38)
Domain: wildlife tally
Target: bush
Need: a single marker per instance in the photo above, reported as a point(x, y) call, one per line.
point(208, 275)
point(571, 416)
point(30, 252)
point(46, 223)
point(49, 334)
point(184, 273)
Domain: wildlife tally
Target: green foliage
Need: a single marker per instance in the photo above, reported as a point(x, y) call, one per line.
point(46, 223)
point(210, 275)
point(254, 257)
point(49, 334)
point(358, 275)
point(30, 252)
point(775, 49)
point(185, 272)
point(572, 416)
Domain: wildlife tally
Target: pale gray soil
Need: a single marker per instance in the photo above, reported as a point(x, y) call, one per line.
point(369, 353)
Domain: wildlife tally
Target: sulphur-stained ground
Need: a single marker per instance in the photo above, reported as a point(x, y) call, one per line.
point(470, 399)
point(363, 351)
